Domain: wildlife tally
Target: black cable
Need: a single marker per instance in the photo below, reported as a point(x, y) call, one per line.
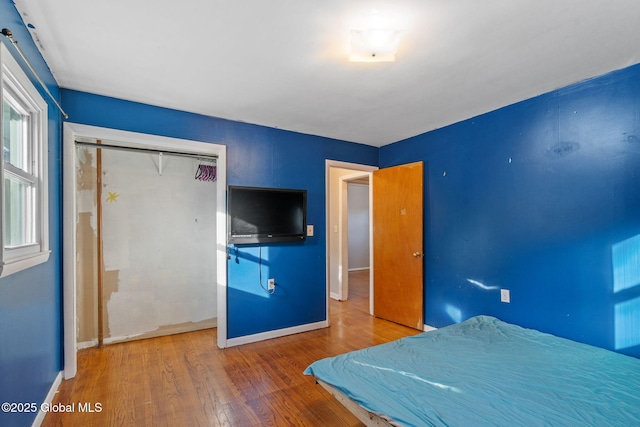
point(270, 292)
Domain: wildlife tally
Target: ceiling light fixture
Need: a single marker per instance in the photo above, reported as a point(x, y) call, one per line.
point(375, 41)
point(375, 45)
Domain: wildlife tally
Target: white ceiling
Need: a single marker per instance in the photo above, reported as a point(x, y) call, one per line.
point(284, 63)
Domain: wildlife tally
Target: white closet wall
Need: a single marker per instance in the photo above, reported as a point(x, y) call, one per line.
point(159, 246)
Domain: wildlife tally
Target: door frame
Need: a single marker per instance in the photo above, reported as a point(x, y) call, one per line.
point(71, 131)
point(358, 169)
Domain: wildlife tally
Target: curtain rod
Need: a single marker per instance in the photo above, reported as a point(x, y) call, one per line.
point(8, 34)
point(147, 150)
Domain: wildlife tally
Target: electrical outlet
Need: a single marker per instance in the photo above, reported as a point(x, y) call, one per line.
point(309, 230)
point(505, 295)
point(271, 284)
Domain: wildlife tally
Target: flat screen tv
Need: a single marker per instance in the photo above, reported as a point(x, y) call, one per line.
point(266, 215)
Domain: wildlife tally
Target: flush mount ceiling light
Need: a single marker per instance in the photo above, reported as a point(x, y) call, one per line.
point(375, 41)
point(374, 45)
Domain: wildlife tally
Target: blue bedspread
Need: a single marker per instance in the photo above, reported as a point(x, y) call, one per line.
point(485, 372)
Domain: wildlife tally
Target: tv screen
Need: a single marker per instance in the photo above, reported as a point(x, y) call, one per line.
point(260, 215)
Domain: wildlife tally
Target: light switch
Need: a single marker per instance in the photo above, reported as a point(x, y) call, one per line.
point(309, 230)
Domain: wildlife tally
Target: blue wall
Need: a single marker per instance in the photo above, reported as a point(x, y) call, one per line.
point(30, 301)
point(256, 156)
point(533, 198)
point(540, 197)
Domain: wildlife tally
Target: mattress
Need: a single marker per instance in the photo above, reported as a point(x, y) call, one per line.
point(485, 372)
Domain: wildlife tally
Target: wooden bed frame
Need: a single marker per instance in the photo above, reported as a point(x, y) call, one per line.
point(368, 418)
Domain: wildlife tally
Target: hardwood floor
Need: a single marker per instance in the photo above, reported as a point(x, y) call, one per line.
point(185, 380)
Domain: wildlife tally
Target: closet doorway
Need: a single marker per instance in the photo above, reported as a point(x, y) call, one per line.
point(148, 236)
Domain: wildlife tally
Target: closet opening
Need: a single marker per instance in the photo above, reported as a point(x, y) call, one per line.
point(146, 238)
point(144, 231)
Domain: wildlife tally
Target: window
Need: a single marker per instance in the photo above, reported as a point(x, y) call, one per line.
point(23, 169)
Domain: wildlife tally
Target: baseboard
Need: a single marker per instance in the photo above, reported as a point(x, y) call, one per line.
point(428, 328)
point(167, 330)
point(335, 295)
point(358, 268)
point(47, 400)
point(276, 334)
point(87, 344)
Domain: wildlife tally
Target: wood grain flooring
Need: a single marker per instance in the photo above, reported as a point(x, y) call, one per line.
point(186, 380)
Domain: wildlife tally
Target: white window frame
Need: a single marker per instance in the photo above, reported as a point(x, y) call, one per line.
point(15, 81)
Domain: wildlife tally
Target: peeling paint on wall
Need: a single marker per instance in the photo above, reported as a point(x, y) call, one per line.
point(158, 247)
point(168, 330)
point(159, 235)
point(86, 279)
point(110, 281)
point(86, 184)
point(86, 247)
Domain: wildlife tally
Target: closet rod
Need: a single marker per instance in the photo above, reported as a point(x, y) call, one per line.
point(8, 34)
point(147, 150)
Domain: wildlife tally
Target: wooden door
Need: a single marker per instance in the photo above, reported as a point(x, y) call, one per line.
point(398, 286)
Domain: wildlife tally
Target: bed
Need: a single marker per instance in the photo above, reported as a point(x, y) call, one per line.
point(484, 372)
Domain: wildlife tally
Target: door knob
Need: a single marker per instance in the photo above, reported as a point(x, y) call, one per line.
point(416, 254)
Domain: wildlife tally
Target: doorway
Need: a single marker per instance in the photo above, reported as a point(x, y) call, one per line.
point(73, 132)
point(338, 176)
point(353, 228)
point(145, 228)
